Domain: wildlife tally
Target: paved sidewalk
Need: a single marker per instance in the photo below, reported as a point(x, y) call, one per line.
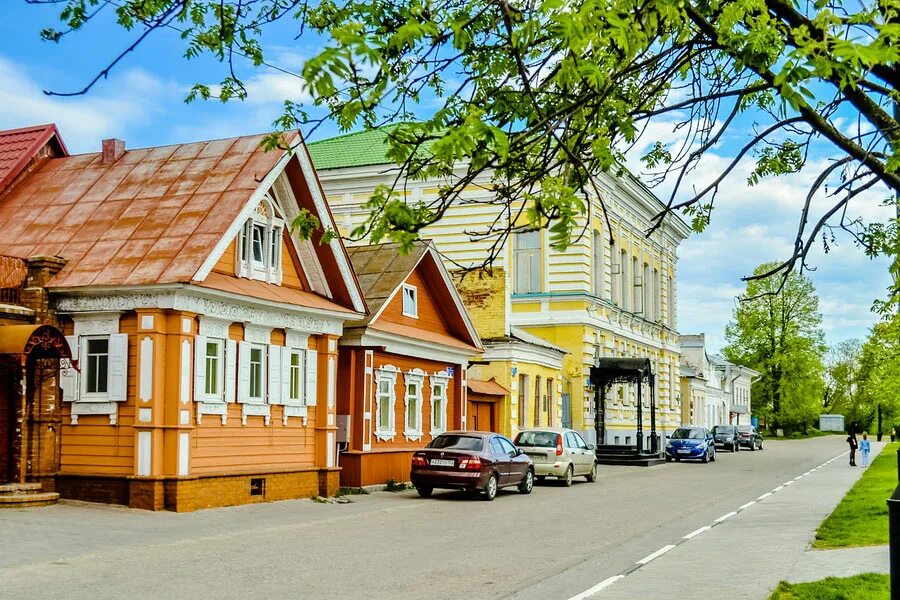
point(751, 551)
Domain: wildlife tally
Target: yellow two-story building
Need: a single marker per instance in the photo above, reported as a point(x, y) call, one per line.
point(545, 315)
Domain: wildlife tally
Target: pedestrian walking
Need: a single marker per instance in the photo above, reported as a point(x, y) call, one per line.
point(865, 446)
point(851, 439)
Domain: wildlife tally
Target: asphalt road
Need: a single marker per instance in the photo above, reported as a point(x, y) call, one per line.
point(555, 543)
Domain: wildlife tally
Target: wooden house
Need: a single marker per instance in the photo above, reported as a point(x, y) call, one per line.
point(402, 369)
point(206, 332)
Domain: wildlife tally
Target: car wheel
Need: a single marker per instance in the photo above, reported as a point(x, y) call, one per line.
point(706, 455)
point(528, 483)
point(752, 446)
point(425, 492)
point(567, 478)
point(712, 458)
point(490, 490)
point(592, 476)
point(668, 459)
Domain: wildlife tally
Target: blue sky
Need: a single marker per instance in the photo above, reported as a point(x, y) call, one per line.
point(142, 102)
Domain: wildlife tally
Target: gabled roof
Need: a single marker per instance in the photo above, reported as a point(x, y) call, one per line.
point(381, 270)
point(19, 146)
point(522, 336)
point(150, 217)
point(159, 215)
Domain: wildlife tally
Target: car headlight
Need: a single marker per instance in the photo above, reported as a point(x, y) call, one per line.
point(668, 444)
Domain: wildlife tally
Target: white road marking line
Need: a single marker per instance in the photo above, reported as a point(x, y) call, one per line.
point(600, 586)
point(728, 516)
point(748, 505)
point(764, 496)
point(778, 489)
point(655, 555)
point(697, 532)
point(787, 483)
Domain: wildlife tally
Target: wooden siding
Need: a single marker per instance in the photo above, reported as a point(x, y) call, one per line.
point(430, 317)
point(406, 364)
point(291, 273)
point(93, 445)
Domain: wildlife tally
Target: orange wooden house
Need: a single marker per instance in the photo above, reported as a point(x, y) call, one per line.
point(206, 332)
point(402, 369)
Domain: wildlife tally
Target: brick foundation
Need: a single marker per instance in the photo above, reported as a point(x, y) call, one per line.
point(184, 494)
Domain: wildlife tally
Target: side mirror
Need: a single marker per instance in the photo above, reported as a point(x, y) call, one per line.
point(591, 447)
point(519, 452)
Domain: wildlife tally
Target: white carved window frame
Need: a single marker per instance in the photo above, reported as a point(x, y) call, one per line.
point(387, 374)
point(267, 217)
point(214, 330)
point(409, 301)
point(74, 385)
point(441, 378)
point(413, 377)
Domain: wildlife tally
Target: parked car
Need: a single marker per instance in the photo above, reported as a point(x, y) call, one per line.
point(727, 435)
point(560, 453)
point(473, 461)
point(691, 443)
point(749, 436)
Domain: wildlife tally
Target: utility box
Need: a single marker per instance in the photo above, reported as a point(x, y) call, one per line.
point(343, 429)
point(831, 423)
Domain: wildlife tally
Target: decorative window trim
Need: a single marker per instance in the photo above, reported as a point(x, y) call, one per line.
point(252, 405)
point(265, 219)
point(417, 377)
point(74, 384)
point(386, 373)
point(441, 378)
point(415, 301)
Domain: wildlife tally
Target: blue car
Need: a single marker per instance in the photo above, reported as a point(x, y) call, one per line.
point(691, 443)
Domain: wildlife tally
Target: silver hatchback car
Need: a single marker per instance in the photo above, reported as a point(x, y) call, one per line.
point(558, 452)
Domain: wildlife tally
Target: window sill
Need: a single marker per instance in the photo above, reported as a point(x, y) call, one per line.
point(385, 434)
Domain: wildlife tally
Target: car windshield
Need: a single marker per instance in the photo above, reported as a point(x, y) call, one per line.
point(721, 429)
point(457, 442)
point(745, 428)
point(540, 439)
point(688, 434)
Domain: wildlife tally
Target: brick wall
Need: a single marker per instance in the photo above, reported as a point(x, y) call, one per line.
point(484, 295)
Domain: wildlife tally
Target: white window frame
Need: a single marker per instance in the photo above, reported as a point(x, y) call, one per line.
point(414, 377)
point(219, 394)
point(527, 263)
point(414, 298)
point(85, 394)
point(439, 424)
point(261, 398)
point(271, 225)
point(387, 374)
point(290, 370)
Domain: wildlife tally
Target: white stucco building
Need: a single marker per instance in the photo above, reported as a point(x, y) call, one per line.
point(714, 391)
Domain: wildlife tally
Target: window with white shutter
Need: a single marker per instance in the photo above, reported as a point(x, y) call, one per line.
point(413, 381)
point(312, 359)
point(439, 382)
point(274, 388)
point(230, 370)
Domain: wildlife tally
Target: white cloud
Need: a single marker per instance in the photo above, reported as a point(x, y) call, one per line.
point(82, 120)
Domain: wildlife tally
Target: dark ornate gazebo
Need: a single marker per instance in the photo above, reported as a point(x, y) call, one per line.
point(607, 371)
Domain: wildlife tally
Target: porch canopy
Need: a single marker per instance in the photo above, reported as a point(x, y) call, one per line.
point(635, 371)
point(35, 341)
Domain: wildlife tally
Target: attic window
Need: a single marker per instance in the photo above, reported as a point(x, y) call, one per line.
point(258, 254)
point(410, 301)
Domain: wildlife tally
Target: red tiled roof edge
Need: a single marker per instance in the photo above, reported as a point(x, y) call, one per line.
point(43, 134)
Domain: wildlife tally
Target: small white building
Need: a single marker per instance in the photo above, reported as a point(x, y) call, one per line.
point(725, 397)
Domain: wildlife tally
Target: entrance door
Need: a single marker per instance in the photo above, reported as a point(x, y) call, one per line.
point(7, 422)
point(481, 416)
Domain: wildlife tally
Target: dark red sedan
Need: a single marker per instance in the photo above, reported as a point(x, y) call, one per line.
point(471, 460)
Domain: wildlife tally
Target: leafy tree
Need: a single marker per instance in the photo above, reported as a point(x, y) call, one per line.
point(538, 97)
point(776, 331)
point(879, 371)
point(845, 392)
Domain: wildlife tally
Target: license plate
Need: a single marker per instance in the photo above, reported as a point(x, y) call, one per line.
point(441, 462)
point(684, 451)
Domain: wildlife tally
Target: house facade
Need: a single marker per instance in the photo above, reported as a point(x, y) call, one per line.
point(206, 333)
point(719, 390)
point(402, 369)
point(591, 300)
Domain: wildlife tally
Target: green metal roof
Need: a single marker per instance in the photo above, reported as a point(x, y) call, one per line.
point(351, 150)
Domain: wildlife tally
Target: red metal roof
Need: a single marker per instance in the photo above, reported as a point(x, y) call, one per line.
point(19, 146)
point(151, 216)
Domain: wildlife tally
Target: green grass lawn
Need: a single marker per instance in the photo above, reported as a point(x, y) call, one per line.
point(868, 586)
point(861, 519)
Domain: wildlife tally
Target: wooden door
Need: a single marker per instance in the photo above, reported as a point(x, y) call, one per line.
point(7, 420)
point(482, 417)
